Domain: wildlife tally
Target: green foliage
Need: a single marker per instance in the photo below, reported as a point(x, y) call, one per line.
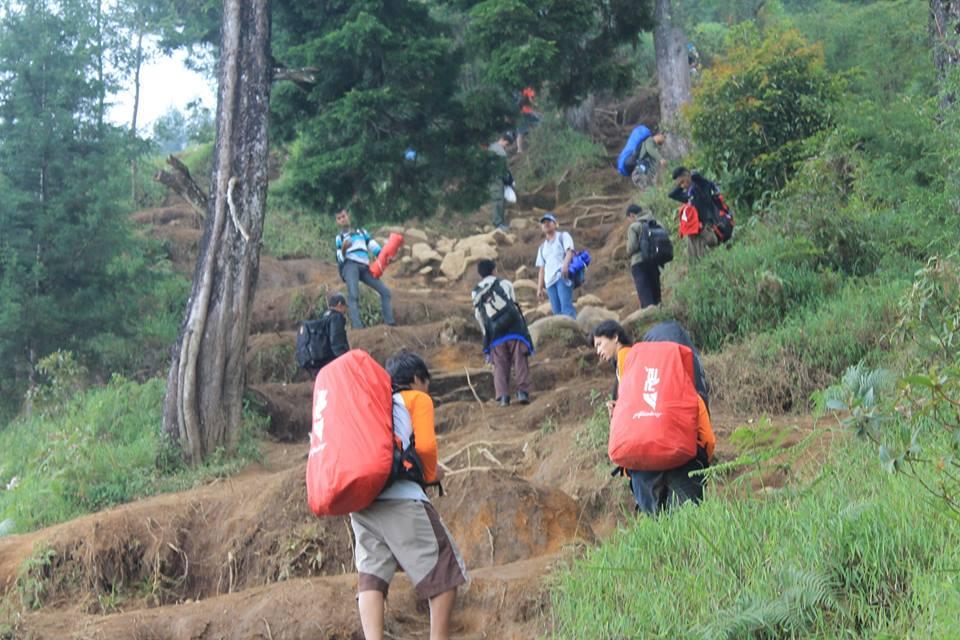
point(858, 393)
point(845, 559)
point(175, 130)
point(64, 377)
point(72, 275)
point(595, 432)
point(565, 46)
point(918, 430)
point(884, 67)
point(102, 448)
point(294, 233)
point(778, 370)
point(388, 84)
point(555, 148)
point(753, 285)
point(755, 107)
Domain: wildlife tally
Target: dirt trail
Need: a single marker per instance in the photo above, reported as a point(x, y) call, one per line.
point(244, 558)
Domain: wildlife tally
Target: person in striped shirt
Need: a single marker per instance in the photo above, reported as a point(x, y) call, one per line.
point(354, 248)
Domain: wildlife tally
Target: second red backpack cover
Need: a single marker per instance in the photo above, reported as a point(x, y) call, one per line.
point(351, 442)
point(654, 423)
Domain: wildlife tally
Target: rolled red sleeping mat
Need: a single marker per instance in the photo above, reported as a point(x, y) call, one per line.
point(389, 250)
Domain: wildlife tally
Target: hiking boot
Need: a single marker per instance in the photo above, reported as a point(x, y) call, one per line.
point(504, 401)
point(523, 397)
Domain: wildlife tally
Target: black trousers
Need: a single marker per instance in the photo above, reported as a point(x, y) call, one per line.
point(646, 278)
point(656, 491)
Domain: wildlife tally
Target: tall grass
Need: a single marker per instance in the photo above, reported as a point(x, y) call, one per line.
point(853, 553)
point(102, 448)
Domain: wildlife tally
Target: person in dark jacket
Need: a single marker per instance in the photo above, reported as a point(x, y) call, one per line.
point(334, 322)
point(505, 337)
point(692, 188)
point(646, 277)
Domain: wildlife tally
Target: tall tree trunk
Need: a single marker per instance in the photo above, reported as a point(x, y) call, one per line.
point(673, 75)
point(137, 67)
point(202, 408)
point(945, 33)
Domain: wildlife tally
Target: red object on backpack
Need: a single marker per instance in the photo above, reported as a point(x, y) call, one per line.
point(390, 249)
point(351, 443)
point(654, 423)
point(689, 220)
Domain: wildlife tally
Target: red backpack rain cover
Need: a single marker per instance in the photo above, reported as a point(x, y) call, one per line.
point(689, 220)
point(351, 443)
point(654, 423)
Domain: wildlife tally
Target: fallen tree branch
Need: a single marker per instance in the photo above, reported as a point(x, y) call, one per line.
point(182, 183)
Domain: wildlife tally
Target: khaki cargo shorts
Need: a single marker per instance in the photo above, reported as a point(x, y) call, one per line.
point(410, 535)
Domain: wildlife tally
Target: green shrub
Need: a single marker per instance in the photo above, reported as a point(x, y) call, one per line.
point(750, 286)
point(840, 557)
point(288, 233)
point(102, 448)
point(755, 107)
point(555, 148)
point(780, 369)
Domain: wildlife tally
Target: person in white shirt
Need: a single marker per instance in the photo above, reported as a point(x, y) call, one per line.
point(554, 258)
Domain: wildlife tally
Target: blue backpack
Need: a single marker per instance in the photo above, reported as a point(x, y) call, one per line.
point(637, 136)
point(578, 268)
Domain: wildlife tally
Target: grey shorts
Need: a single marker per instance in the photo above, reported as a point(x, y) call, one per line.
point(410, 535)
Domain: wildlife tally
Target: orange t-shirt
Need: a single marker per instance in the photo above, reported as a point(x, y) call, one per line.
point(420, 406)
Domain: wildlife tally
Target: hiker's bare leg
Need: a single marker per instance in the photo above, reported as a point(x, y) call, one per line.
point(371, 614)
point(441, 609)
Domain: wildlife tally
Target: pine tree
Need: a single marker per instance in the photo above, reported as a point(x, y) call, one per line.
point(566, 46)
point(383, 81)
point(60, 227)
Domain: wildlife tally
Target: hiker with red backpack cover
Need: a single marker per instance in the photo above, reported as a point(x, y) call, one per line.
point(373, 449)
point(660, 427)
point(705, 219)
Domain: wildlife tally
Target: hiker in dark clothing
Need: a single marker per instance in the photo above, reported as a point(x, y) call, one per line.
point(501, 178)
point(692, 188)
point(646, 275)
point(333, 324)
point(655, 491)
point(505, 336)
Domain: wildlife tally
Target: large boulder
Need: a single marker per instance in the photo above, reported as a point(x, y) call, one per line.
point(445, 244)
point(481, 243)
point(454, 264)
point(413, 235)
point(589, 317)
point(555, 329)
point(424, 253)
point(588, 300)
point(482, 252)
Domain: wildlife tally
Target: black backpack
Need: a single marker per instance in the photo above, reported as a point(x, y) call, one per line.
point(508, 318)
point(655, 245)
point(313, 345)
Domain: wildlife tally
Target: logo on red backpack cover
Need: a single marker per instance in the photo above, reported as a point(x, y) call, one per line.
point(316, 436)
point(650, 394)
point(650, 387)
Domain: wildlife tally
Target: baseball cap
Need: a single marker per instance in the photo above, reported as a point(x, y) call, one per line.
point(549, 216)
